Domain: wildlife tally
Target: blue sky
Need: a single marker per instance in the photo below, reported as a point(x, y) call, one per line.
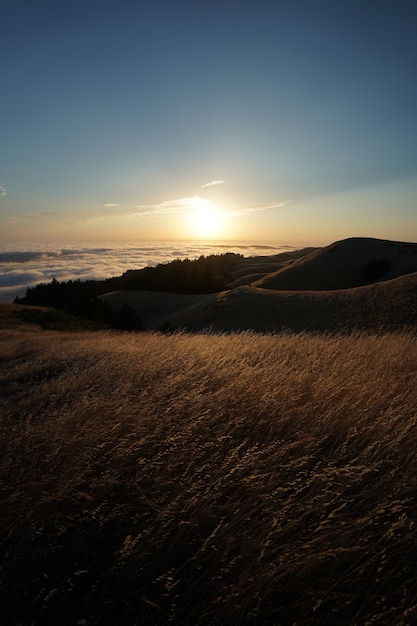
point(266, 120)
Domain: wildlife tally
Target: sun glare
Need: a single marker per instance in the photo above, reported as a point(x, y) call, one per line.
point(206, 219)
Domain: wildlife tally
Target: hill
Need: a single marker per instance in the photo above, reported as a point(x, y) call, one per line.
point(345, 264)
point(23, 316)
point(249, 269)
point(389, 305)
point(156, 309)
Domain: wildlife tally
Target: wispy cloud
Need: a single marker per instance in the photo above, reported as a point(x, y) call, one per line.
point(3, 191)
point(212, 183)
point(184, 205)
point(111, 205)
point(171, 207)
point(254, 208)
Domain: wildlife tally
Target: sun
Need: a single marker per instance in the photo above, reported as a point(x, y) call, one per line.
point(206, 219)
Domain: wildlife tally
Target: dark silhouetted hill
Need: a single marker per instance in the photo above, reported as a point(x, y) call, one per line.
point(345, 264)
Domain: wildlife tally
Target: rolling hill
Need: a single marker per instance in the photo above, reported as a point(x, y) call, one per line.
point(355, 284)
point(345, 264)
point(387, 306)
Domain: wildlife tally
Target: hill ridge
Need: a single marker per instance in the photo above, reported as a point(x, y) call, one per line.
point(344, 264)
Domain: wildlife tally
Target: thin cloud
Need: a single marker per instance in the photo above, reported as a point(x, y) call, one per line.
point(184, 205)
point(254, 208)
point(3, 191)
point(171, 207)
point(212, 183)
point(111, 205)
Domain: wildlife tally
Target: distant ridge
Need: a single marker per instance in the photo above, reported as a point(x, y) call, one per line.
point(345, 264)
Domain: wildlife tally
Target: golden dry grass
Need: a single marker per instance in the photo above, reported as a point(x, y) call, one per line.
point(208, 479)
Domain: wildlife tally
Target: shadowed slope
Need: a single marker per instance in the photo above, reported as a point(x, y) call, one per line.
point(389, 305)
point(156, 308)
point(19, 315)
point(345, 264)
point(254, 268)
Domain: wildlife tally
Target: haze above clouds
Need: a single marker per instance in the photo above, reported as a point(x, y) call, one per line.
point(290, 121)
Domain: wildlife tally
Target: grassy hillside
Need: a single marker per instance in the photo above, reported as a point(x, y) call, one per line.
point(249, 269)
point(388, 305)
point(229, 479)
point(155, 309)
point(345, 264)
point(21, 316)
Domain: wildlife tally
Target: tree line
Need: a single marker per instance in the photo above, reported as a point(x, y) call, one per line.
point(207, 274)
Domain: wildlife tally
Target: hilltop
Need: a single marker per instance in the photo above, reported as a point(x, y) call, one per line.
point(345, 264)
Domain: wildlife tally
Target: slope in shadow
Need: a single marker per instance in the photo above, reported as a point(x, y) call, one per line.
point(345, 264)
point(380, 307)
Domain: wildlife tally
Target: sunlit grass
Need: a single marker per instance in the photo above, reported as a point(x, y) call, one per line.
point(208, 479)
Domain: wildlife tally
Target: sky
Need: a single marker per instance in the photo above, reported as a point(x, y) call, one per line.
point(267, 120)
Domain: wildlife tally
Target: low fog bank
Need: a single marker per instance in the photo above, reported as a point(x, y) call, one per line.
point(28, 265)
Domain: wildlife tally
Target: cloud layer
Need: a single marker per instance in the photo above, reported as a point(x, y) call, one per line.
point(22, 267)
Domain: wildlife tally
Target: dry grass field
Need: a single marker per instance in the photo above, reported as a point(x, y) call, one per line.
point(207, 479)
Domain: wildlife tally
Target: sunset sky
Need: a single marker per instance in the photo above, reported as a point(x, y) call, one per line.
point(264, 120)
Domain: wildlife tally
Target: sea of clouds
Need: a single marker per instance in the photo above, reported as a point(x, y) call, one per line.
point(23, 266)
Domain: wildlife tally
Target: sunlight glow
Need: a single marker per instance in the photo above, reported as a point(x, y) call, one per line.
point(206, 219)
